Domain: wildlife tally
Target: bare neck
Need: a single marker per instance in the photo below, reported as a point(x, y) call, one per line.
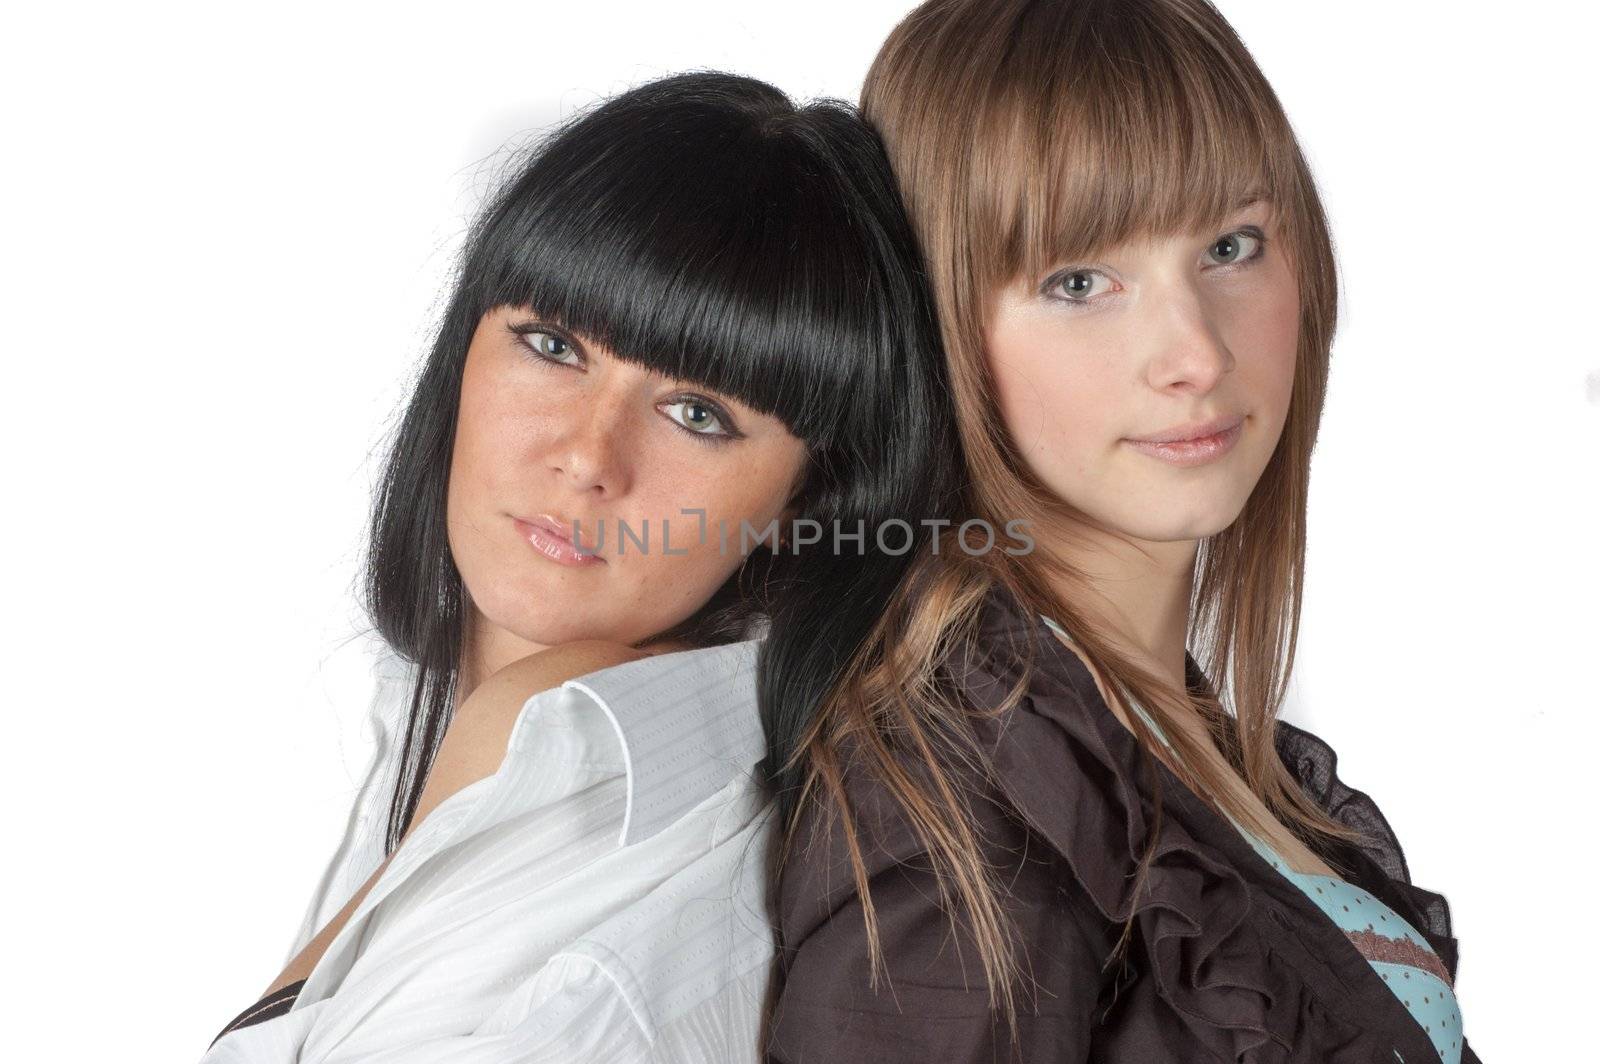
point(1140, 593)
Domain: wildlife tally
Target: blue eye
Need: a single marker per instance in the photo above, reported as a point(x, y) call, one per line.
point(1241, 246)
point(1076, 286)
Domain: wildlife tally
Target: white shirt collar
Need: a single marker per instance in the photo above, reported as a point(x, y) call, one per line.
point(687, 724)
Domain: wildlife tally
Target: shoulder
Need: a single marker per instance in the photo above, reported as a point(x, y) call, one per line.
point(515, 682)
point(685, 723)
point(930, 999)
point(817, 884)
point(474, 743)
point(1037, 762)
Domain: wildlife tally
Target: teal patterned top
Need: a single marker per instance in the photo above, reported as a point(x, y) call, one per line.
point(1395, 949)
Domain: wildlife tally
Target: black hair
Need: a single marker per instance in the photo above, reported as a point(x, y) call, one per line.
point(703, 226)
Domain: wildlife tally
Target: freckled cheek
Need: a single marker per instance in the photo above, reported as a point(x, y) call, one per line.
point(516, 439)
point(497, 450)
point(755, 505)
point(483, 481)
point(658, 499)
point(748, 490)
point(472, 458)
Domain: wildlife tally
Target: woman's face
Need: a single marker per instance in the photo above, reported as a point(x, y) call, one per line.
point(555, 429)
point(1151, 338)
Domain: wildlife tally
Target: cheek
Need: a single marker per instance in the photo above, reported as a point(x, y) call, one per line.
point(748, 485)
point(1284, 333)
point(754, 488)
point(469, 448)
point(488, 439)
point(1267, 332)
point(1053, 401)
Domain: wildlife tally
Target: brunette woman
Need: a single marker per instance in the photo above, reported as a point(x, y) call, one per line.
point(686, 323)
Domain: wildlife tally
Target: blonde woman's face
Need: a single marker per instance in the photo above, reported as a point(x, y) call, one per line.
point(1150, 339)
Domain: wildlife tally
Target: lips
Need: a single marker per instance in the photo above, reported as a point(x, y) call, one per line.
point(551, 538)
point(1192, 451)
point(1197, 430)
point(554, 526)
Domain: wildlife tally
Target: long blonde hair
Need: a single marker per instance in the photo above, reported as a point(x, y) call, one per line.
point(1024, 133)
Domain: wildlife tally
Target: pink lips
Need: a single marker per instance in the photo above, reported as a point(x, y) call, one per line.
point(547, 536)
point(1192, 445)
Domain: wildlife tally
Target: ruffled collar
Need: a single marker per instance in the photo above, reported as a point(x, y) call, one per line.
point(1234, 947)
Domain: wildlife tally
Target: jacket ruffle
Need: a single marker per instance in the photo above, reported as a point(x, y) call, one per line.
point(1197, 920)
point(1315, 765)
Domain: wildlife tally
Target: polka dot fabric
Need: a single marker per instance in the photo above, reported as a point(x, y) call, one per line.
point(1409, 966)
point(1397, 952)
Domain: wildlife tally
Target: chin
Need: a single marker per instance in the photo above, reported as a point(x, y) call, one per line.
point(549, 632)
point(1175, 525)
point(543, 615)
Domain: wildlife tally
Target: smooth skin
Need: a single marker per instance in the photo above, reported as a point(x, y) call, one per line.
point(1147, 336)
point(551, 422)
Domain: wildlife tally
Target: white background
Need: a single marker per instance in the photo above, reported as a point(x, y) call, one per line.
point(226, 233)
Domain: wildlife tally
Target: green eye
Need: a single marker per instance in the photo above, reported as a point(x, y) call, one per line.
point(545, 345)
point(700, 419)
point(551, 348)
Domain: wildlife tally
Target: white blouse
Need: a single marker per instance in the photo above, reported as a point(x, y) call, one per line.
point(600, 897)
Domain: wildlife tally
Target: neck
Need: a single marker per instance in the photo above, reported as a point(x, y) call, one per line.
point(489, 648)
point(1141, 592)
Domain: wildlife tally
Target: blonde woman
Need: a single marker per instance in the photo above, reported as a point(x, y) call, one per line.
point(1026, 823)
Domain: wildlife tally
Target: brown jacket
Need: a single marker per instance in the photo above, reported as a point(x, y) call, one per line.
point(1229, 960)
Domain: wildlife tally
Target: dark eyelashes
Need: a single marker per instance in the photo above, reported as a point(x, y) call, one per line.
point(728, 434)
point(522, 330)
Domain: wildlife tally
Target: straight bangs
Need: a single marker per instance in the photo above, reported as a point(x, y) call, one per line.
point(1106, 127)
point(710, 251)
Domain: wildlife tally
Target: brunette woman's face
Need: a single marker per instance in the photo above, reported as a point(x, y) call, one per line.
point(555, 429)
point(1143, 340)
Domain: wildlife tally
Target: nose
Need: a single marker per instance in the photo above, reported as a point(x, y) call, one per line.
point(590, 452)
point(1189, 352)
